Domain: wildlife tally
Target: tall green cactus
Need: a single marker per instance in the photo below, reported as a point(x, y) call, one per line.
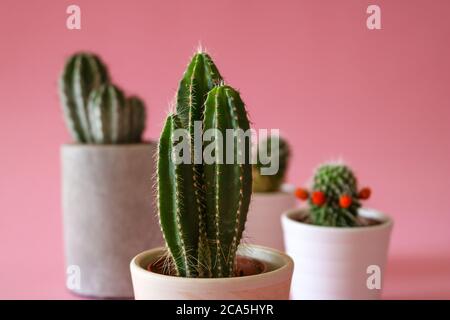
point(199, 78)
point(83, 73)
point(179, 212)
point(271, 183)
point(96, 111)
point(203, 207)
point(228, 186)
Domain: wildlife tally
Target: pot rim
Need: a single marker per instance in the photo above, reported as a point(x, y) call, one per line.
point(386, 221)
point(288, 264)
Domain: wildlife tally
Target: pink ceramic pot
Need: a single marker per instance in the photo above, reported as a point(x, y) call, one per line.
point(273, 284)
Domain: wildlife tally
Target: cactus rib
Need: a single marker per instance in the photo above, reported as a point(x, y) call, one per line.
point(179, 222)
point(106, 112)
point(226, 216)
point(137, 118)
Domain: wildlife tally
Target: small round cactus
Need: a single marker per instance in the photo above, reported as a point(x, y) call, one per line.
point(335, 198)
point(270, 183)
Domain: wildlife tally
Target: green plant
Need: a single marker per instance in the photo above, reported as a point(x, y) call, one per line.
point(137, 117)
point(199, 78)
point(203, 207)
point(94, 110)
point(271, 183)
point(82, 73)
point(334, 199)
point(114, 119)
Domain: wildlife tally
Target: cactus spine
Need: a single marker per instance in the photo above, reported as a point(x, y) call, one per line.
point(203, 207)
point(96, 111)
point(271, 183)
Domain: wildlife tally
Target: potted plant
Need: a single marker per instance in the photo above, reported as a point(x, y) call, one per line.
point(271, 196)
point(339, 248)
point(203, 205)
point(106, 180)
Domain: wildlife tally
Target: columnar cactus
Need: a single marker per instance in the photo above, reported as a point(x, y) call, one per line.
point(137, 116)
point(199, 78)
point(334, 199)
point(83, 73)
point(96, 111)
point(271, 183)
point(203, 206)
point(114, 119)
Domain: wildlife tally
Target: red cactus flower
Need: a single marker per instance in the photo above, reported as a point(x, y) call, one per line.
point(365, 193)
point(302, 194)
point(345, 201)
point(318, 198)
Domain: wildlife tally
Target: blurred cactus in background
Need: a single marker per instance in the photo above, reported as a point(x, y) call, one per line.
point(96, 111)
point(271, 183)
point(334, 198)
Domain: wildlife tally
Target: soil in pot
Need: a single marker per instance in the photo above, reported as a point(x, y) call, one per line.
point(245, 267)
point(362, 221)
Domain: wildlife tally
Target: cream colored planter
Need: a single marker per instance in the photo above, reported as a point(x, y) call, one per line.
point(108, 215)
point(274, 284)
point(337, 263)
point(263, 225)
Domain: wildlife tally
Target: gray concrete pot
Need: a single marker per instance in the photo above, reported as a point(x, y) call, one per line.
point(109, 215)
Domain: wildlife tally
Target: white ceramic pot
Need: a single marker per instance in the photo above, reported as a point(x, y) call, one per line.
point(108, 215)
point(337, 263)
point(273, 284)
point(263, 226)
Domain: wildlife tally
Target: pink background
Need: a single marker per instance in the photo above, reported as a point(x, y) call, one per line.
point(379, 99)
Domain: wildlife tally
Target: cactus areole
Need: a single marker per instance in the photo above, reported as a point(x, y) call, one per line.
point(203, 206)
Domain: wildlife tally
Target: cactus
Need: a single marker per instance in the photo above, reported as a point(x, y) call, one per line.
point(203, 207)
point(82, 73)
point(95, 110)
point(199, 78)
point(228, 186)
point(113, 118)
point(334, 199)
point(271, 183)
point(137, 116)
